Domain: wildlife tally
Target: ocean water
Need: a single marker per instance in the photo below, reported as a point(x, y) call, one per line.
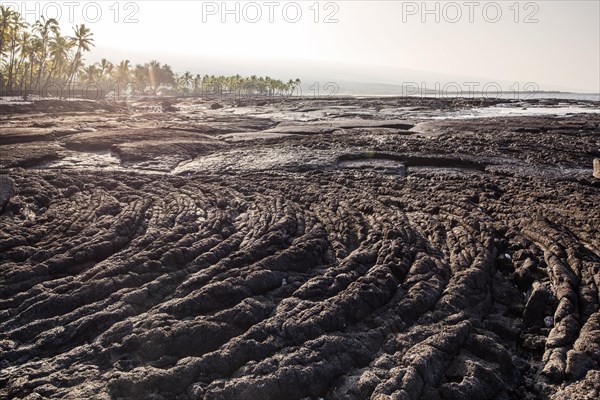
point(504, 111)
point(566, 96)
point(504, 95)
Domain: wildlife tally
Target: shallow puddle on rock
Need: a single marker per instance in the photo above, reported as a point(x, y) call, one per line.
point(380, 165)
point(106, 161)
point(454, 171)
point(85, 159)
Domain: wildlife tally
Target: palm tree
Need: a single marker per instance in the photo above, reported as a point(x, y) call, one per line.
point(197, 83)
point(30, 48)
point(160, 75)
point(167, 75)
point(105, 66)
point(43, 27)
point(60, 49)
point(83, 40)
point(6, 18)
point(26, 45)
point(140, 75)
point(110, 70)
point(14, 32)
point(186, 80)
point(90, 74)
point(121, 75)
point(78, 69)
point(154, 75)
point(296, 84)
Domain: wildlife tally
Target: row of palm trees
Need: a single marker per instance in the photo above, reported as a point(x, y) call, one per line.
point(235, 85)
point(34, 58)
point(157, 79)
point(33, 55)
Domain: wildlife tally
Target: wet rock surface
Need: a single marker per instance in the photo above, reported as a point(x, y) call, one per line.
point(299, 249)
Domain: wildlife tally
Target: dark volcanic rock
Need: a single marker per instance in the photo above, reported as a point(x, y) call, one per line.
point(7, 190)
point(167, 106)
point(59, 106)
point(537, 303)
point(299, 266)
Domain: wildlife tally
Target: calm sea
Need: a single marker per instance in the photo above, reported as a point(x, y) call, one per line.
point(506, 95)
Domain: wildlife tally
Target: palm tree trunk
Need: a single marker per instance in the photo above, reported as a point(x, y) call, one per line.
point(40, 70)
point(72, 69)
point(31, 70)
point(21, 84)
point(11, 65)
point(52, 70)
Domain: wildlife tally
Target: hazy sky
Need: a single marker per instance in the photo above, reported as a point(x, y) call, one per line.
point(554, 43)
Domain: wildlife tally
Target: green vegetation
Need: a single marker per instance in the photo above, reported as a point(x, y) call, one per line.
point(39, 59)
